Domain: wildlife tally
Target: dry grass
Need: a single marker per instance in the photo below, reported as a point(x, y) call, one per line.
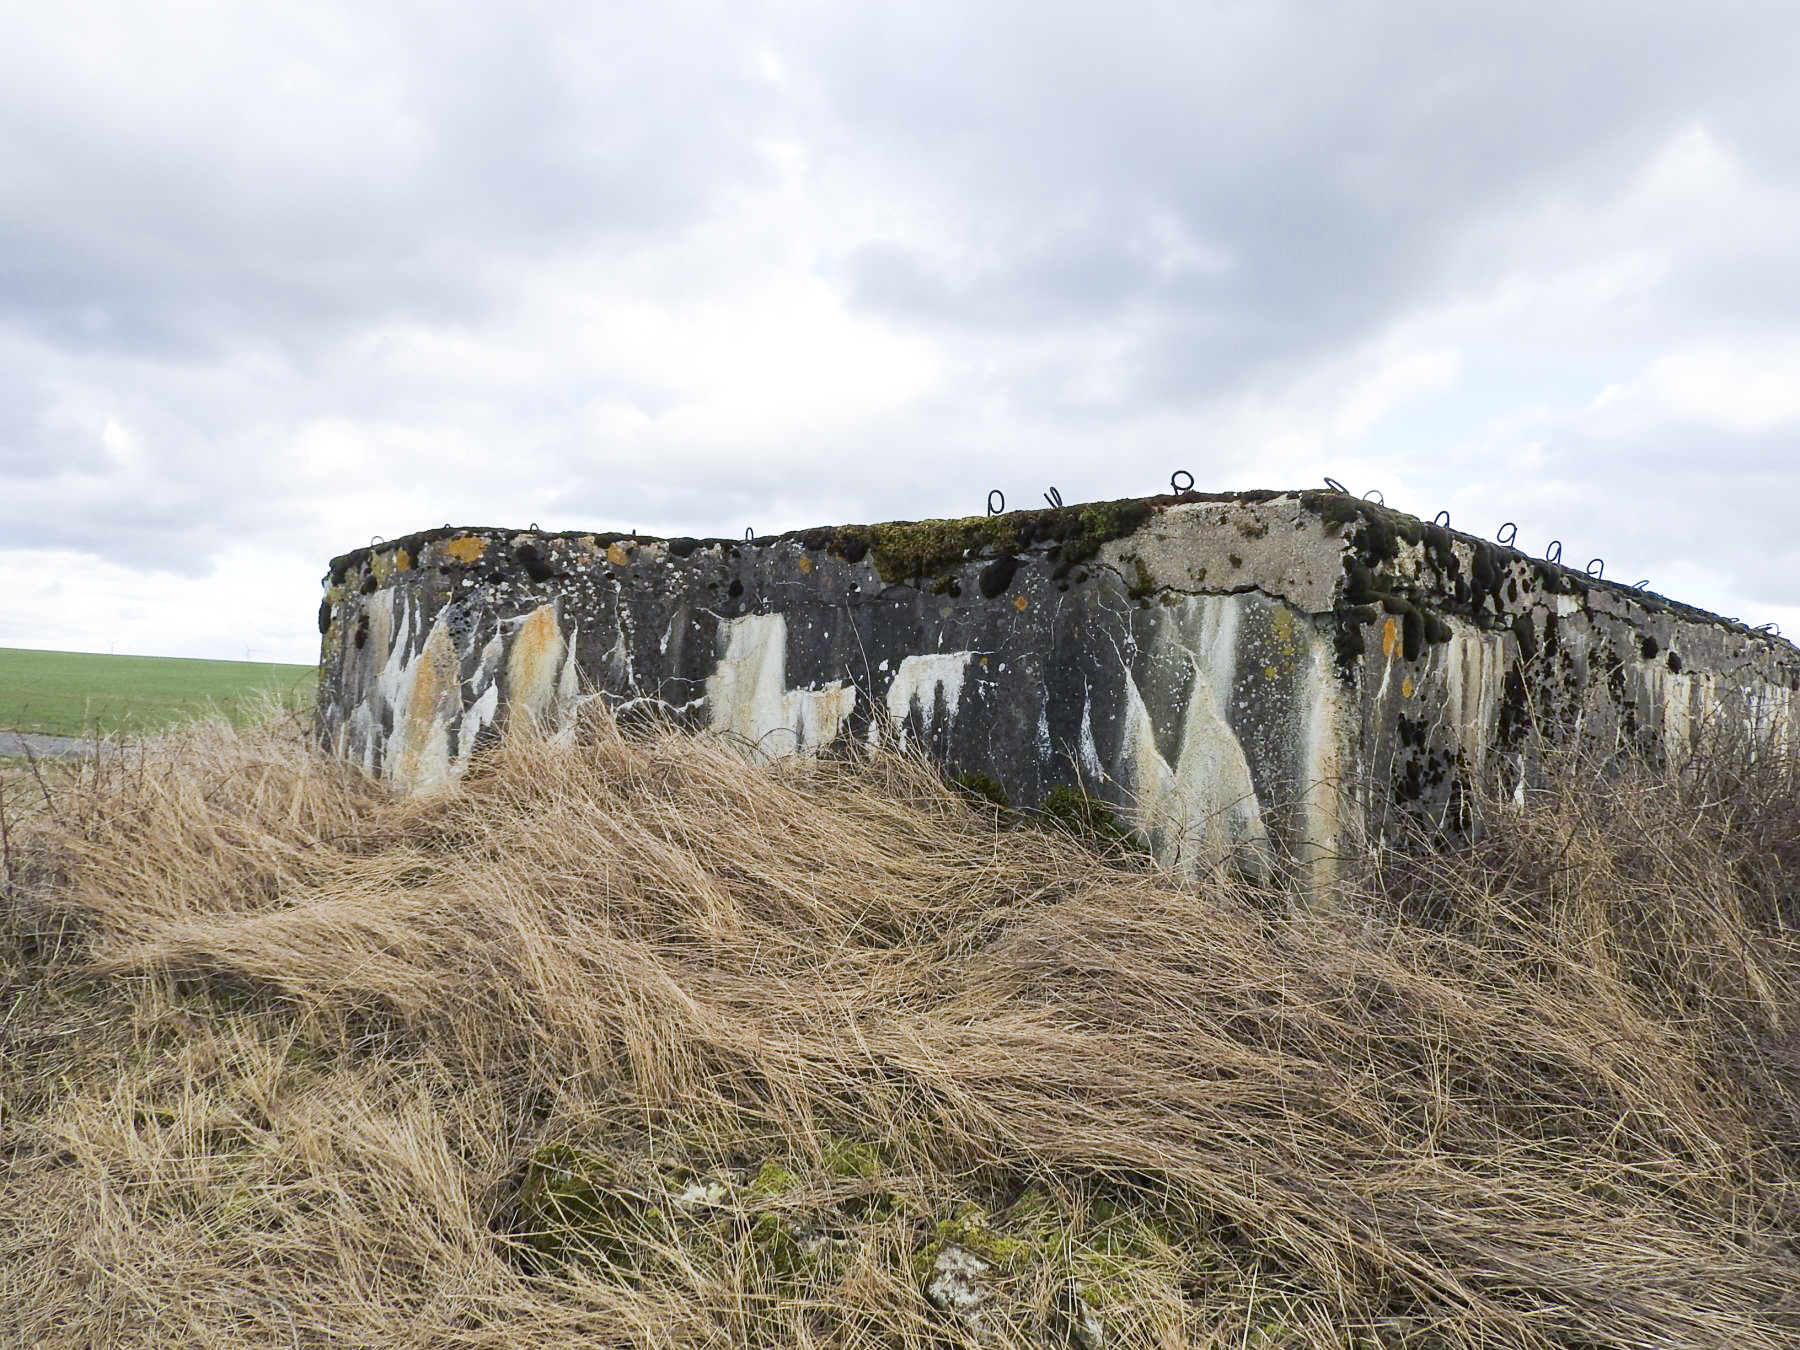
point(633, 1042)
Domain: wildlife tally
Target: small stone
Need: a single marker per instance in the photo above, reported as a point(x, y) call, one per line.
point(702, 1193)
point(955, 1285)
point(1074, 1322)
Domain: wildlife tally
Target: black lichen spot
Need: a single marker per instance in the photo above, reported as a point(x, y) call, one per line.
point(362, 632)
point(1486, 569)
point(1526, 635)
point(1674, 663)
point(1348, 644)
point(1235, 560)
point(1377, 540)
point(1361, 587)
point(1647, 648)
point(532, 559)
point(324, 617)
point(682, 548)
point(1515, 708)
point(368, 584)
point(997, 577)
point(1439, 548)
point(736, 588)
point(1412, 628)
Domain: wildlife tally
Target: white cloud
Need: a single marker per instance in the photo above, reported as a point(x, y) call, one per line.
point(274, 281)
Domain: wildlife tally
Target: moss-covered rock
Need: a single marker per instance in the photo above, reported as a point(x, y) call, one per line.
point(570, 1202)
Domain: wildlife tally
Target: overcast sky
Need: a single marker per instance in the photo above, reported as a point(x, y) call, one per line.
point(276, 278)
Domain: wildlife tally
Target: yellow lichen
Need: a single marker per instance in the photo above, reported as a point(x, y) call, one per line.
point(466, 548)
point(617, 554)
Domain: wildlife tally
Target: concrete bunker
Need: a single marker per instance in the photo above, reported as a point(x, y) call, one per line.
point(1257, 677)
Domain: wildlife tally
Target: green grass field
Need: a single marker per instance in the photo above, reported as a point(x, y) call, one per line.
point(79, 693)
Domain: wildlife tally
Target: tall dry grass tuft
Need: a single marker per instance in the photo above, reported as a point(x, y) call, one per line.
point(642, 1041)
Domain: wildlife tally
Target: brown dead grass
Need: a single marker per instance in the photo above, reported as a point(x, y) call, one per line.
point(283, 1062)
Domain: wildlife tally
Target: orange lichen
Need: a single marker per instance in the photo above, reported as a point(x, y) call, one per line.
point(534, 663)
point(617, 554)
point(466, 548)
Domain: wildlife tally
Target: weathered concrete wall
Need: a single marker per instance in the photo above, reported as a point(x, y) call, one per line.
point(1256, 676)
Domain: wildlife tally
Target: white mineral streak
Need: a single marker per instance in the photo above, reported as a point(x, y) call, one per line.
point(744, 692)
point(484, 707)
point(568, 690)
point(533, 664)
point(1691, 701)
point(419, 758)
point(618, 656)
point(363, 726)
point(1090, 752)
point(1775, 715)
point(1324, 753)
point(483, 711)
point(1203, 807)
point(917, 684)
point(747, 693)
point(1673, 696)
point(1473, 668)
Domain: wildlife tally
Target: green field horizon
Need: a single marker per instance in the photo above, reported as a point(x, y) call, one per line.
point(87, 693)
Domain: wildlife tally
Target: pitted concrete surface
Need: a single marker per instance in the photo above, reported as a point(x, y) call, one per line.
point(1256, 677)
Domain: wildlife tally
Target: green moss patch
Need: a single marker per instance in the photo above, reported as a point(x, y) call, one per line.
point(930, 551)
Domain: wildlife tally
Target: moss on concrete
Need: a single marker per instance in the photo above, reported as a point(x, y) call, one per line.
point(930, 551)
point(1075, 811)
point(979, 787)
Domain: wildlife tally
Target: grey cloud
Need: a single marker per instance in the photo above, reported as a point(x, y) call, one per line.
point(182, 221)
point(1334, 157)
point(1108, 225)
